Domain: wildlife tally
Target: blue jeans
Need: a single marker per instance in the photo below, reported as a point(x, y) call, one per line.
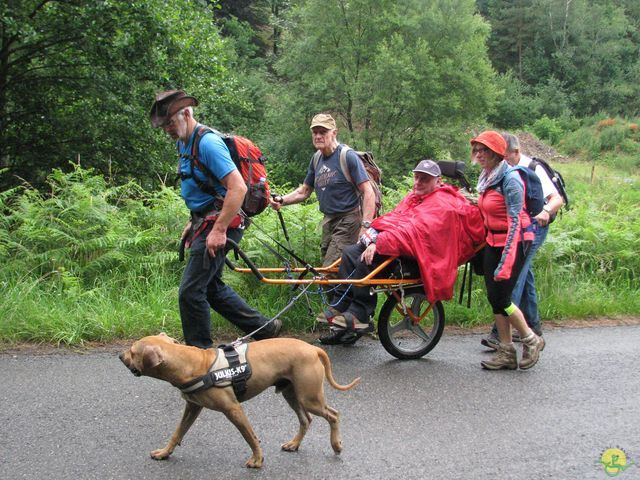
point(524, 293)
point(202, 288)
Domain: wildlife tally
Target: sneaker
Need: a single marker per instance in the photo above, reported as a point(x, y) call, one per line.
point(492, 341)
point(273, 333)
point(515, 337)
point(531, 348)
point(505, 358)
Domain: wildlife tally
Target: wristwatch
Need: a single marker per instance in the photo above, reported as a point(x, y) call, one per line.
point(279, 199)
point(547, 209)
point(365, 223)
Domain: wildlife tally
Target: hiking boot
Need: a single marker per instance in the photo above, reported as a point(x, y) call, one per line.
point(491, 341)
point(505, 358)
point(531, 348)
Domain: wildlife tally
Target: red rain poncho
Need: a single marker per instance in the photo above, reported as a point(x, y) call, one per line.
point(441, 230)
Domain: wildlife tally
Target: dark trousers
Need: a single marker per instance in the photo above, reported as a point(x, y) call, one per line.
point(202, 288)
point(352, 299)
point(499, 292)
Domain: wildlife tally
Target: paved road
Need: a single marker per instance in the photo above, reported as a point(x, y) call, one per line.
point(84, 416)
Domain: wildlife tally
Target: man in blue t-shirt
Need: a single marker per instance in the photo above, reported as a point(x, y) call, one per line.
point(214, 218)
point(339, 199)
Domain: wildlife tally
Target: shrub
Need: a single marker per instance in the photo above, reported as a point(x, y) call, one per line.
point(548, 129)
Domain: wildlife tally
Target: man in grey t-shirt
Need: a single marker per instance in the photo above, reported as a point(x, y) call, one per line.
point(339, 199)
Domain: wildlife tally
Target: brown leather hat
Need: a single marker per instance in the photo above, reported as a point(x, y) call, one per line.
point(167, 104)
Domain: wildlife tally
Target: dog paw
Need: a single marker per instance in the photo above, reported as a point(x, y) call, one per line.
point(254, 462)
point(337, 447)
point(161, 454)
point(291, 446)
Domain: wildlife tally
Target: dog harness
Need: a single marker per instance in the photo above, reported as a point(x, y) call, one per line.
point(229, 368)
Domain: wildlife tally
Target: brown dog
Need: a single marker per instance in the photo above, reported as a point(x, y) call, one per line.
point(296, 368)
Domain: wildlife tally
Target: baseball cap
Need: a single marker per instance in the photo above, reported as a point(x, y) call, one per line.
point(323, 120)
point(429, 167)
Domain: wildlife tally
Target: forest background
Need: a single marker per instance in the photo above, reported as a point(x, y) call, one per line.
point(91, 215)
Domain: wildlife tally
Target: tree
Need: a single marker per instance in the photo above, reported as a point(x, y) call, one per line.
point(265, 18)
point(575, 56)
point(77, 79)
point(400, 76)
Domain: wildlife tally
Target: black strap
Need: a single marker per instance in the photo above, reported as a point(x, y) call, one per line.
point(239, 383)
point(199, 132)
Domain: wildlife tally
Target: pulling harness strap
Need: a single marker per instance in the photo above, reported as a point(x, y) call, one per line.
point(200, 222)
point(229, 368)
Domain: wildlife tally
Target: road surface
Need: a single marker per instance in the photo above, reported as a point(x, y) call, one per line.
point(84, 416)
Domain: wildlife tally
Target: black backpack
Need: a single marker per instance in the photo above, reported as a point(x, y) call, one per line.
point(555, 177)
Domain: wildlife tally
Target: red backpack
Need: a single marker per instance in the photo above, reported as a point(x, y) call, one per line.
point(248, 160)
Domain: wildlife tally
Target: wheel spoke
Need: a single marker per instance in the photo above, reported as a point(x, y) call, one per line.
point(417, 329)
point(404, 324)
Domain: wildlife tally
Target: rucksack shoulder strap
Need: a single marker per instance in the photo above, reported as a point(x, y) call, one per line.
point(316, 159)
point(201, 131)
point(343, 162)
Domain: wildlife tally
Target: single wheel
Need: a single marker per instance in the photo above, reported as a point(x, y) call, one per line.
point(405, 337)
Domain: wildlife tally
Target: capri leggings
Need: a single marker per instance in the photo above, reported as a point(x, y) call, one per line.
point(499, 292)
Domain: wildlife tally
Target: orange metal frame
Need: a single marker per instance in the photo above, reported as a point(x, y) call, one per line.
point(333, 268)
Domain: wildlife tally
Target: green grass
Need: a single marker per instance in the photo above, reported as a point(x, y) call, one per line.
point(94, 262)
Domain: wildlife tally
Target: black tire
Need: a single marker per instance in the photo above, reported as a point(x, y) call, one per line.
point(397, 333)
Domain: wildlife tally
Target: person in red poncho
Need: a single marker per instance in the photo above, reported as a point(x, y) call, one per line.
point(434, 224)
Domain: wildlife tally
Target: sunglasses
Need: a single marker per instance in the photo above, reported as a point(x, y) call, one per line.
point(480, 149)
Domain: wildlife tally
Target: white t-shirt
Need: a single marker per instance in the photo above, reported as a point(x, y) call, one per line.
point(547, 185)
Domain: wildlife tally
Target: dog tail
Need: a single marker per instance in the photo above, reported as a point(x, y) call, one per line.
point(324, 358)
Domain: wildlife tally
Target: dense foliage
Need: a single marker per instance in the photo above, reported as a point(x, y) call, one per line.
point(404, 78)
point(399, 85)
point(77, 79)
point(564, 58)
point(89, 213)
point(93, 261)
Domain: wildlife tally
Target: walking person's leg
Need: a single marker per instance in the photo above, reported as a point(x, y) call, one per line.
point(226, 302)
point(507, 315)
point(192, 296)
point(524, 292)
point(338, 232)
